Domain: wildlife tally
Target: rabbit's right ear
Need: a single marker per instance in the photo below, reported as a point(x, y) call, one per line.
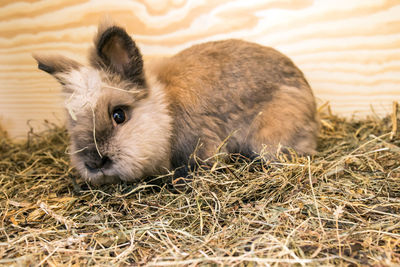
point(115, 51)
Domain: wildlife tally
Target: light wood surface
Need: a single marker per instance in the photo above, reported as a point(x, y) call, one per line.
point(348, 49)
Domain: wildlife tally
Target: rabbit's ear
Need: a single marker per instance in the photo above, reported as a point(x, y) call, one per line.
point(56, 65)
point(115, 51)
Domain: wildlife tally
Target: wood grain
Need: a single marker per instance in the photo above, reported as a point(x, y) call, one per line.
point(349, 50)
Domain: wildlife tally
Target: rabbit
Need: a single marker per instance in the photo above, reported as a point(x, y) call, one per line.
point(128, 120)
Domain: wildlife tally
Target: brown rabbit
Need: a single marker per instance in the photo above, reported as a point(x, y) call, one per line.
point(128, 121)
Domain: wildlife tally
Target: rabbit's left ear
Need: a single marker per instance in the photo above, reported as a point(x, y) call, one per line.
point(115, 51)
point(55, 64)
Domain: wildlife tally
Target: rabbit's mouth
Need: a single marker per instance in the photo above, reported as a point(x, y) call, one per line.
point(97, 174)
point(103, 171)
point(99, 177)
point(100, 165)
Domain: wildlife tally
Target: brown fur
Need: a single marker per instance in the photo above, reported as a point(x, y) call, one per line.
point(234, 88)
point(251, 97)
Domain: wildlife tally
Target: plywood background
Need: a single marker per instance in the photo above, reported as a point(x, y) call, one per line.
point(348, 49)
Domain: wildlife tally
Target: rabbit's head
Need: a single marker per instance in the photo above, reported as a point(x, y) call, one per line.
point(118, 119)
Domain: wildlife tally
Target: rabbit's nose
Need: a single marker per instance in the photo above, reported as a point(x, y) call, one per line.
point(100, 163)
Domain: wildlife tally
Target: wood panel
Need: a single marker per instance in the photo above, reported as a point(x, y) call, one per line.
point(349, 50)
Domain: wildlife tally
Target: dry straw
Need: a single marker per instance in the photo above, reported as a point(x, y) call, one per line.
point(340, 207)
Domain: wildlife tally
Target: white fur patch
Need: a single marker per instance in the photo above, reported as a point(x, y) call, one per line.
point(85, 85)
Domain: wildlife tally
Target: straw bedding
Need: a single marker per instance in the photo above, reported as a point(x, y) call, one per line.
point(340, 207)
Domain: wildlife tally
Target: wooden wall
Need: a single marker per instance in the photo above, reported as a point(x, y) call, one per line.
point(348, 49)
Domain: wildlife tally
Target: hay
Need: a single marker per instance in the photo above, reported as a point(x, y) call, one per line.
point(340, 207)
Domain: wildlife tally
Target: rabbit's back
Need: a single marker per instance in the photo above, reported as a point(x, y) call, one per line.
point(252, 94)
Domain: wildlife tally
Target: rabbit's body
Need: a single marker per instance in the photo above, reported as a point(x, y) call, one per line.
point(252, 94)
point(233, 96)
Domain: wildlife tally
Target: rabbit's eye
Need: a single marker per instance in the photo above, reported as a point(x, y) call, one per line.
point(118, 115)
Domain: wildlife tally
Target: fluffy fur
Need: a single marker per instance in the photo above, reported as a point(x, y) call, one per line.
point(232, 95)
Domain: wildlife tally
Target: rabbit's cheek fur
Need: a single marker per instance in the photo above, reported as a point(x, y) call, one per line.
point(142, 144)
